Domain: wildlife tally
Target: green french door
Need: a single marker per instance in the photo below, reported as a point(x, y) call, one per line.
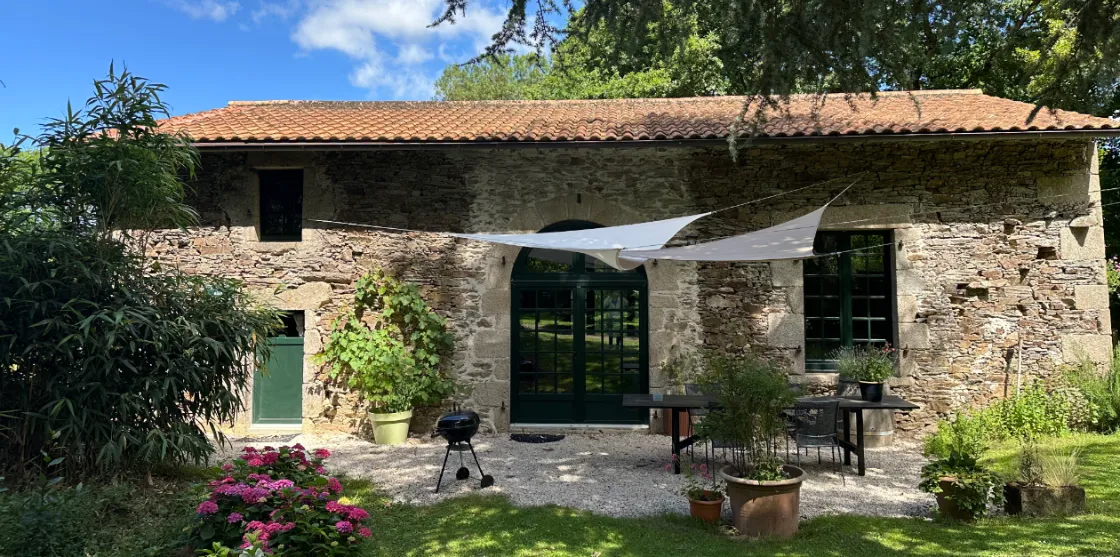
point(278, 388)
point(579, 340)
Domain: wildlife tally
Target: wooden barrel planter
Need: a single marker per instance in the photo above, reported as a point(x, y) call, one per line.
point(878, 425)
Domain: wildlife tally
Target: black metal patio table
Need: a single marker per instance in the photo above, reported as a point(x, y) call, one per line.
point(849, 406)
point(676, 404)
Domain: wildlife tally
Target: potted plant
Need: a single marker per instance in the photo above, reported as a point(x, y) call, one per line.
point(764, 493)
point(870, 365)
point(705, 498)
point(963, 487)
point(388, 348)
point(1047, 484)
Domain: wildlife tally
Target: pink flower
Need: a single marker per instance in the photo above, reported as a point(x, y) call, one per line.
point(255, 495)
point(271, 458)
point(320, 470)
point(227, 468)
point(207, 507)
point(298, 447)
point(273, 527)
point(322, 453)
point(365, 533)
point(254, 525)
point(281, 484)
point(334, 485)
point(357, 514)
point(344, 527)
point(234, 518)
point(336, 507)
point(255, 462)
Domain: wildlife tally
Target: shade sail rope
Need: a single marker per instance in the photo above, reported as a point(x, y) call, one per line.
point(855, 221)
point(858, 176)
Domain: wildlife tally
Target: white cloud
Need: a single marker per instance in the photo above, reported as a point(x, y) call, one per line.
point(360, 28)
point(216, 10)
point(281, 10)
point(412, 54)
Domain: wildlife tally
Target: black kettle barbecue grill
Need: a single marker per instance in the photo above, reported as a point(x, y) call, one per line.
point(457, 427)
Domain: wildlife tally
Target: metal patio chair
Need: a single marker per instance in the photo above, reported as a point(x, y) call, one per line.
point(813, 425)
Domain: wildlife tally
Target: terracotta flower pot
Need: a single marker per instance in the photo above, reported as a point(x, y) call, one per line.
point(708, 511)
point(765, 509)
point(947, 505)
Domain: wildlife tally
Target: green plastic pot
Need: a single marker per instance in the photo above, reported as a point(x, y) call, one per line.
point(390, 429)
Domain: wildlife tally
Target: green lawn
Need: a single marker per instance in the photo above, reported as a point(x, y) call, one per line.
point(135, 519)
point(490, 525)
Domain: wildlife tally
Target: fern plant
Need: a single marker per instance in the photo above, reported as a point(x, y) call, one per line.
point(389, 346)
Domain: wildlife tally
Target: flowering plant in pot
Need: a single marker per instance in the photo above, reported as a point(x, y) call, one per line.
point(962, 485)
point(870, 365)
point(702, 489)
point(764, 492)
point(389, 348)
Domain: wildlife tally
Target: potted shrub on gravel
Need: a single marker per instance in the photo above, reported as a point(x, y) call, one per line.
point(388, 348)
point(764, 493)
point(1047, 484)
point(963, 487)
point(870, 365)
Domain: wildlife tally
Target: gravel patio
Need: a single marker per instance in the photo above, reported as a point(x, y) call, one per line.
point(615, 474)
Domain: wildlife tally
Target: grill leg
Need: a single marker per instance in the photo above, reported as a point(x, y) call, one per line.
point(487, 481)
point(475, 458)
point(444, 467)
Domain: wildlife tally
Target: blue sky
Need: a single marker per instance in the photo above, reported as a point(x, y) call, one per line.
point(209, 52)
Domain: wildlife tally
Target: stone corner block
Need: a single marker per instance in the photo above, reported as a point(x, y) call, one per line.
point(1097, 348)
point(785, 330)
point(1090, 296)
point(913, 336)
point(786, 273)
point(1082, 243)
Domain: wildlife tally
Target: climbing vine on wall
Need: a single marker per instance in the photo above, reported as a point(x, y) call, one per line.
point(389, 346)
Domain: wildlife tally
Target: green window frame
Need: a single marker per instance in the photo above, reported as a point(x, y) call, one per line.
point(849, 297)
point(281, 196)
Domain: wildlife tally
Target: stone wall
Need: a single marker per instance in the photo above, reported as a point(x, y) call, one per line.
point(997, 242)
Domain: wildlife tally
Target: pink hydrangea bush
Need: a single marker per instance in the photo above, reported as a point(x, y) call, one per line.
point(280, 501)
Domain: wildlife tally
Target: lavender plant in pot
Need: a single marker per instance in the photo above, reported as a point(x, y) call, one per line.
point(764, 492)
point(870, 365)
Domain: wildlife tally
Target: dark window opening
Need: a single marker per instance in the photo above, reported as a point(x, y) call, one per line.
point(849, 297)
point(291, 324)
point(281, 193)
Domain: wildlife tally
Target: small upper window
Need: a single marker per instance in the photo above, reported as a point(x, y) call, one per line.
point(281, 205)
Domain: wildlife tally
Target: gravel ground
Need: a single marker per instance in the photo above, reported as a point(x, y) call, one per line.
point(616, 474)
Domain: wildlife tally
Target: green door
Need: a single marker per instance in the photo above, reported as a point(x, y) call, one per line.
point(278, 389)
point(578, 337)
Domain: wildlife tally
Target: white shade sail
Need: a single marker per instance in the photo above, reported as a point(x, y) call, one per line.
point(789, 240)
point(604, 244)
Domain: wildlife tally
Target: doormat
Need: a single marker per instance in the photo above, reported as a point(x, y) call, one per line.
point(535, 437)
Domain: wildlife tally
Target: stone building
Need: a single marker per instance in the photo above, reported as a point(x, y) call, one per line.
point(972, 230)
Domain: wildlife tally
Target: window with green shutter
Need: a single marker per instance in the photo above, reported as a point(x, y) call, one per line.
point(849, 297)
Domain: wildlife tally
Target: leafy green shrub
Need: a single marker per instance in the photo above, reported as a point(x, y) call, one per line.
point(752, 393)
point(391, 358)
point(1033, 413)
point(251, 508)
point(966, 433)
point(1094, 396)
point(112, 365)
point(956, 448)
point(106, 358)
point(864, 362)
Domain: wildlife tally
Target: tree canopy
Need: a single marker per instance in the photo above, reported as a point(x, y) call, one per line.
point(1057, 53)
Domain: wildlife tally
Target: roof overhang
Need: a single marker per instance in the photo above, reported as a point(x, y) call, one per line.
point(1039, 135)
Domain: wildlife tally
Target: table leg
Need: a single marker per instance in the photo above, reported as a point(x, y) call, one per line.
point(676, 440)
point(846, 435)
point(859, 441)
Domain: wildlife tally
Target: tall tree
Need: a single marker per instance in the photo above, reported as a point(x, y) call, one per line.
point(1058, 53)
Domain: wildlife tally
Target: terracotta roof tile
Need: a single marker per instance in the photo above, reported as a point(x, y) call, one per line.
point(924, 112)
